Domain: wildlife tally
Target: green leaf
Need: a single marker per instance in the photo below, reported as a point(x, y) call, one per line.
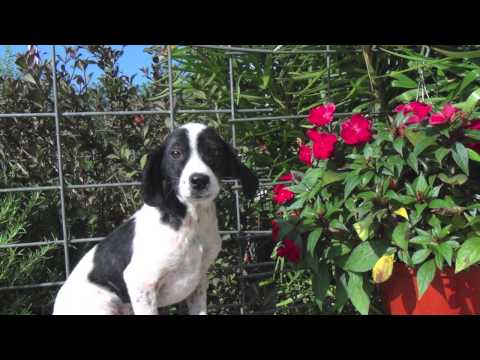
point(473, 155)
point(421, 255)
point(459, 54)
point(412, 161)
point(471, 102)
point(330, 177)
point(460, 156)
point(341, 292)
point(29, 78)
point(285, 229)
point(473, 134)
point(434, 222)
point(267, 72)
point(351, 183)
point(446, 250)
point(403, 81)
point(398, 145)
point(405, 257)
point(311, 177)
point(320, 283)
point(421, 146)
point(425, 275)
point(365, 255)
point(414, 137)
point(468, 254)
point(420, 184)
point(446, 203)
point(399, 235)
point(297, 189)
point(402, 199)
point(143, 161)
point(421, 240)
point(357, 294)
point(453, 180)
point(336, 250)
point(440, 154)
point(312, 240)
point(297, 204)
point(362, 228)
point(468, 79)
point(309, 212)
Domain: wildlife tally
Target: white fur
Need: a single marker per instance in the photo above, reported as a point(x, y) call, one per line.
point(167, 265)
point(196, 165)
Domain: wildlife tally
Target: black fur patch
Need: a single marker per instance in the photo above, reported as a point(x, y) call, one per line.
point(223, 161)
point(111, 257)
point(162, 174)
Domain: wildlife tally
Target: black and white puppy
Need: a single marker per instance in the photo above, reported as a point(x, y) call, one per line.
point(161, 255)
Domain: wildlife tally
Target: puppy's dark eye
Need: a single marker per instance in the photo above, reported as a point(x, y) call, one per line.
point(176, 154)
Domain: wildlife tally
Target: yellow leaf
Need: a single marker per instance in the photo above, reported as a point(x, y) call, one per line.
point(402, 212)
point(383, 269)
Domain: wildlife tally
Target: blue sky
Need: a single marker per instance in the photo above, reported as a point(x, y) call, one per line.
point(130, 63)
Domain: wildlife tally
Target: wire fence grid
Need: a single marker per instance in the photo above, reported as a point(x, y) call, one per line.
point(236, 115)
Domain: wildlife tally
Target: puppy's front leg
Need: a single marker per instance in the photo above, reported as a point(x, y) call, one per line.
point(197, 301)
point(142, 292)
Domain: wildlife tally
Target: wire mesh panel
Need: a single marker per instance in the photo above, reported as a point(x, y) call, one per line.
point(245, 258)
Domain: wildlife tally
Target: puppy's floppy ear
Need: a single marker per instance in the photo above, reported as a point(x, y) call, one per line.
point(238, 170)
point(152, 181)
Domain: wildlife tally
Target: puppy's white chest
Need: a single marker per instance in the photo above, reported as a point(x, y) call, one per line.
point(191, 252)
point(184, 275)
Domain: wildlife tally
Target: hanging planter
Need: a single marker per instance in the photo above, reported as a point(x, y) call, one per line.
point(448, 293)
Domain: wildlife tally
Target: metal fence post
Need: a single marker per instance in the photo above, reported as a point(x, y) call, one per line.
point(60, 164)
point(237, 196)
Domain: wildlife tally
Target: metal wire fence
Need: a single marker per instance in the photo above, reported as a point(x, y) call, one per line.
point(239, 233)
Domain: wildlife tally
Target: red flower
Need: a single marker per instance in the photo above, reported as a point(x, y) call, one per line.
point(286, 177)
point(281, 194)
point(447, 114)
point(322, 115)
point(323, 143)
point(289, 250)
point(474, 125)
point(305, 155)
point(418, 110)
point(275, 230)
point(138, 120)
point(356, 130)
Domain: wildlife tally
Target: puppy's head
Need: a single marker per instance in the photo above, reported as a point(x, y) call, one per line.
point(189, 166)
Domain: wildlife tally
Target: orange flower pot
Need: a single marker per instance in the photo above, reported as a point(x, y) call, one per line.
point(448, 294)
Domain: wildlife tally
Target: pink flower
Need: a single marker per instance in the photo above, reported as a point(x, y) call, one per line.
point(418, 110)
point(289, 250)
point(275, 230)
point(474, 125)
point(323, 143)
point(322, 115)
point(356, 130)
point(447, 114)
point(305, 155)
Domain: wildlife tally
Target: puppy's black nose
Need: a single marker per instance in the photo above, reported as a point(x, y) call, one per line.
point(199, 181)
